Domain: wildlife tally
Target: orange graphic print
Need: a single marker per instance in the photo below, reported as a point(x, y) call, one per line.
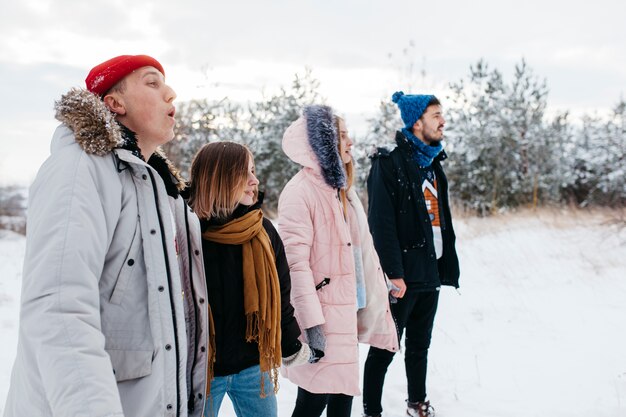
point(432, 203)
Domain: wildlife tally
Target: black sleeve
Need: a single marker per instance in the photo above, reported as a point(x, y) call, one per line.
point(381, 184)
point(289, 326)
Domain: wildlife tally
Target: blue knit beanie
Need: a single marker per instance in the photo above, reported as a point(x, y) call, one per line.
point(412, 106)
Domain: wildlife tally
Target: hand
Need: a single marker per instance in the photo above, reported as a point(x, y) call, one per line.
point(301, 357)
point(398, 287)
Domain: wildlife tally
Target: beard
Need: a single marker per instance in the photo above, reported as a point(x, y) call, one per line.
point(433, 138)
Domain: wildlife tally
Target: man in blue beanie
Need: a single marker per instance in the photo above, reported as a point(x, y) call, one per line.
point(410, 221)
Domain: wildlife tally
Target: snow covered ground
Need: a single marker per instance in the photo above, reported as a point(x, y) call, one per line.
point(11, 257)
point(536, 331)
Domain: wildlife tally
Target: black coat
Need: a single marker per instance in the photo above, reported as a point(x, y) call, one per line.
point(224, 274)
point(399, 221)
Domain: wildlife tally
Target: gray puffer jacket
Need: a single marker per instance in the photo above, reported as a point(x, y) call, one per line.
point(113, 319)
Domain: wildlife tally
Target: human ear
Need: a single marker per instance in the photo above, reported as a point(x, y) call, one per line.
point(115, 104)
point(417, 126)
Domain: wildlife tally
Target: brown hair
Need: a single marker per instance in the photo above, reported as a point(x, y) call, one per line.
point(218, 177)
point(349, 167)
point(118, 87)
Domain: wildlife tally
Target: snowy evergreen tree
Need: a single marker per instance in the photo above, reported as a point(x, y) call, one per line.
point(268, 121)
point(598, 171)
point(13, 208)
point(561, 136)
point(612, 181)
point(203, 121)
point(500, 151)
point(381, 131)
point(382, 127)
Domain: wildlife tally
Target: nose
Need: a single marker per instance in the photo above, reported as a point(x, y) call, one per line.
point(170, 94)
point(252, 179)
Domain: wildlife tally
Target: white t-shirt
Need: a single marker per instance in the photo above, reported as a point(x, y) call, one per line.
point(432, 206)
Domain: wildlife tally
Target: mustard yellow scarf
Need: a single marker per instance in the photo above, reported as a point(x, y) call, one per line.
point(261, 290)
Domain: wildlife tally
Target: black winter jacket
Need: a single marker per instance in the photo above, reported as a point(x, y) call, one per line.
point(224, 274)
point(399, 221)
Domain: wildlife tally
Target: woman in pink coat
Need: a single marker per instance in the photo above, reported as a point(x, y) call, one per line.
point(338, 289)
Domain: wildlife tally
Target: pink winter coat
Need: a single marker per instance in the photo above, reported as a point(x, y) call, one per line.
point(318, 245)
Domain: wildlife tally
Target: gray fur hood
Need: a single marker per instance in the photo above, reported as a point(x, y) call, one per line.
point(93, 124)
point(312, 142)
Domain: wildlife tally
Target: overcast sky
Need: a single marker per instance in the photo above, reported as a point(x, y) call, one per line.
point(241, 48)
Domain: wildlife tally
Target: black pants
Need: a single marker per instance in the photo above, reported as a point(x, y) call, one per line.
point(312, 405)
point(415, 312)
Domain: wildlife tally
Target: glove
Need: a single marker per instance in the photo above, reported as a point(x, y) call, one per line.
point(392, 287)
point(315, 337)
point(317, 342)
point(302, 356)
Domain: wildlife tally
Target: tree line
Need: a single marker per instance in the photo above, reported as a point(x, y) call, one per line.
point(504, 151)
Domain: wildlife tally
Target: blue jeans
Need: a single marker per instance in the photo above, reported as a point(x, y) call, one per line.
point(244, 390)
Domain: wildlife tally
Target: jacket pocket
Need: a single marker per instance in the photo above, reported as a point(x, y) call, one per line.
point(127, 268)
point(130, 364)
point(322, 284)
point(418, 268)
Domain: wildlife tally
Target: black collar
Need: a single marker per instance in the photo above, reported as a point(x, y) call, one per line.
point(156, 161)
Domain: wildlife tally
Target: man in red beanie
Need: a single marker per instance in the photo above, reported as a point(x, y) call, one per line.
point(112, 319)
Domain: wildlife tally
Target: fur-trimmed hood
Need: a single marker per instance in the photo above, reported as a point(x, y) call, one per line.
point(97, 132)
point(93, 124)
point(312, 141)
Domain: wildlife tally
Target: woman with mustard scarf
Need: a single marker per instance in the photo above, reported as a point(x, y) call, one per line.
point(248, 284)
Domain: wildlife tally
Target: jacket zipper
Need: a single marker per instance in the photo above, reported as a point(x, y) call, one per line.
point(322, 284)
point(191, 402)
point(171, 291)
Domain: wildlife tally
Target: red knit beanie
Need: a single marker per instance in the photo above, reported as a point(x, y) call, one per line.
point(104, 76)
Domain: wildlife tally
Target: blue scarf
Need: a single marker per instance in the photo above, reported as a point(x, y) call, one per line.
point(422, 154)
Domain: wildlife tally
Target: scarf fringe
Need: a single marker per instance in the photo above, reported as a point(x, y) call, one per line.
point(210, 353)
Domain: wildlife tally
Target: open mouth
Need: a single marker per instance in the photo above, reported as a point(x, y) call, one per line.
point(172, 112)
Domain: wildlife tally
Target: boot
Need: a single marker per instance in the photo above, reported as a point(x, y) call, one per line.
point(420, 409)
